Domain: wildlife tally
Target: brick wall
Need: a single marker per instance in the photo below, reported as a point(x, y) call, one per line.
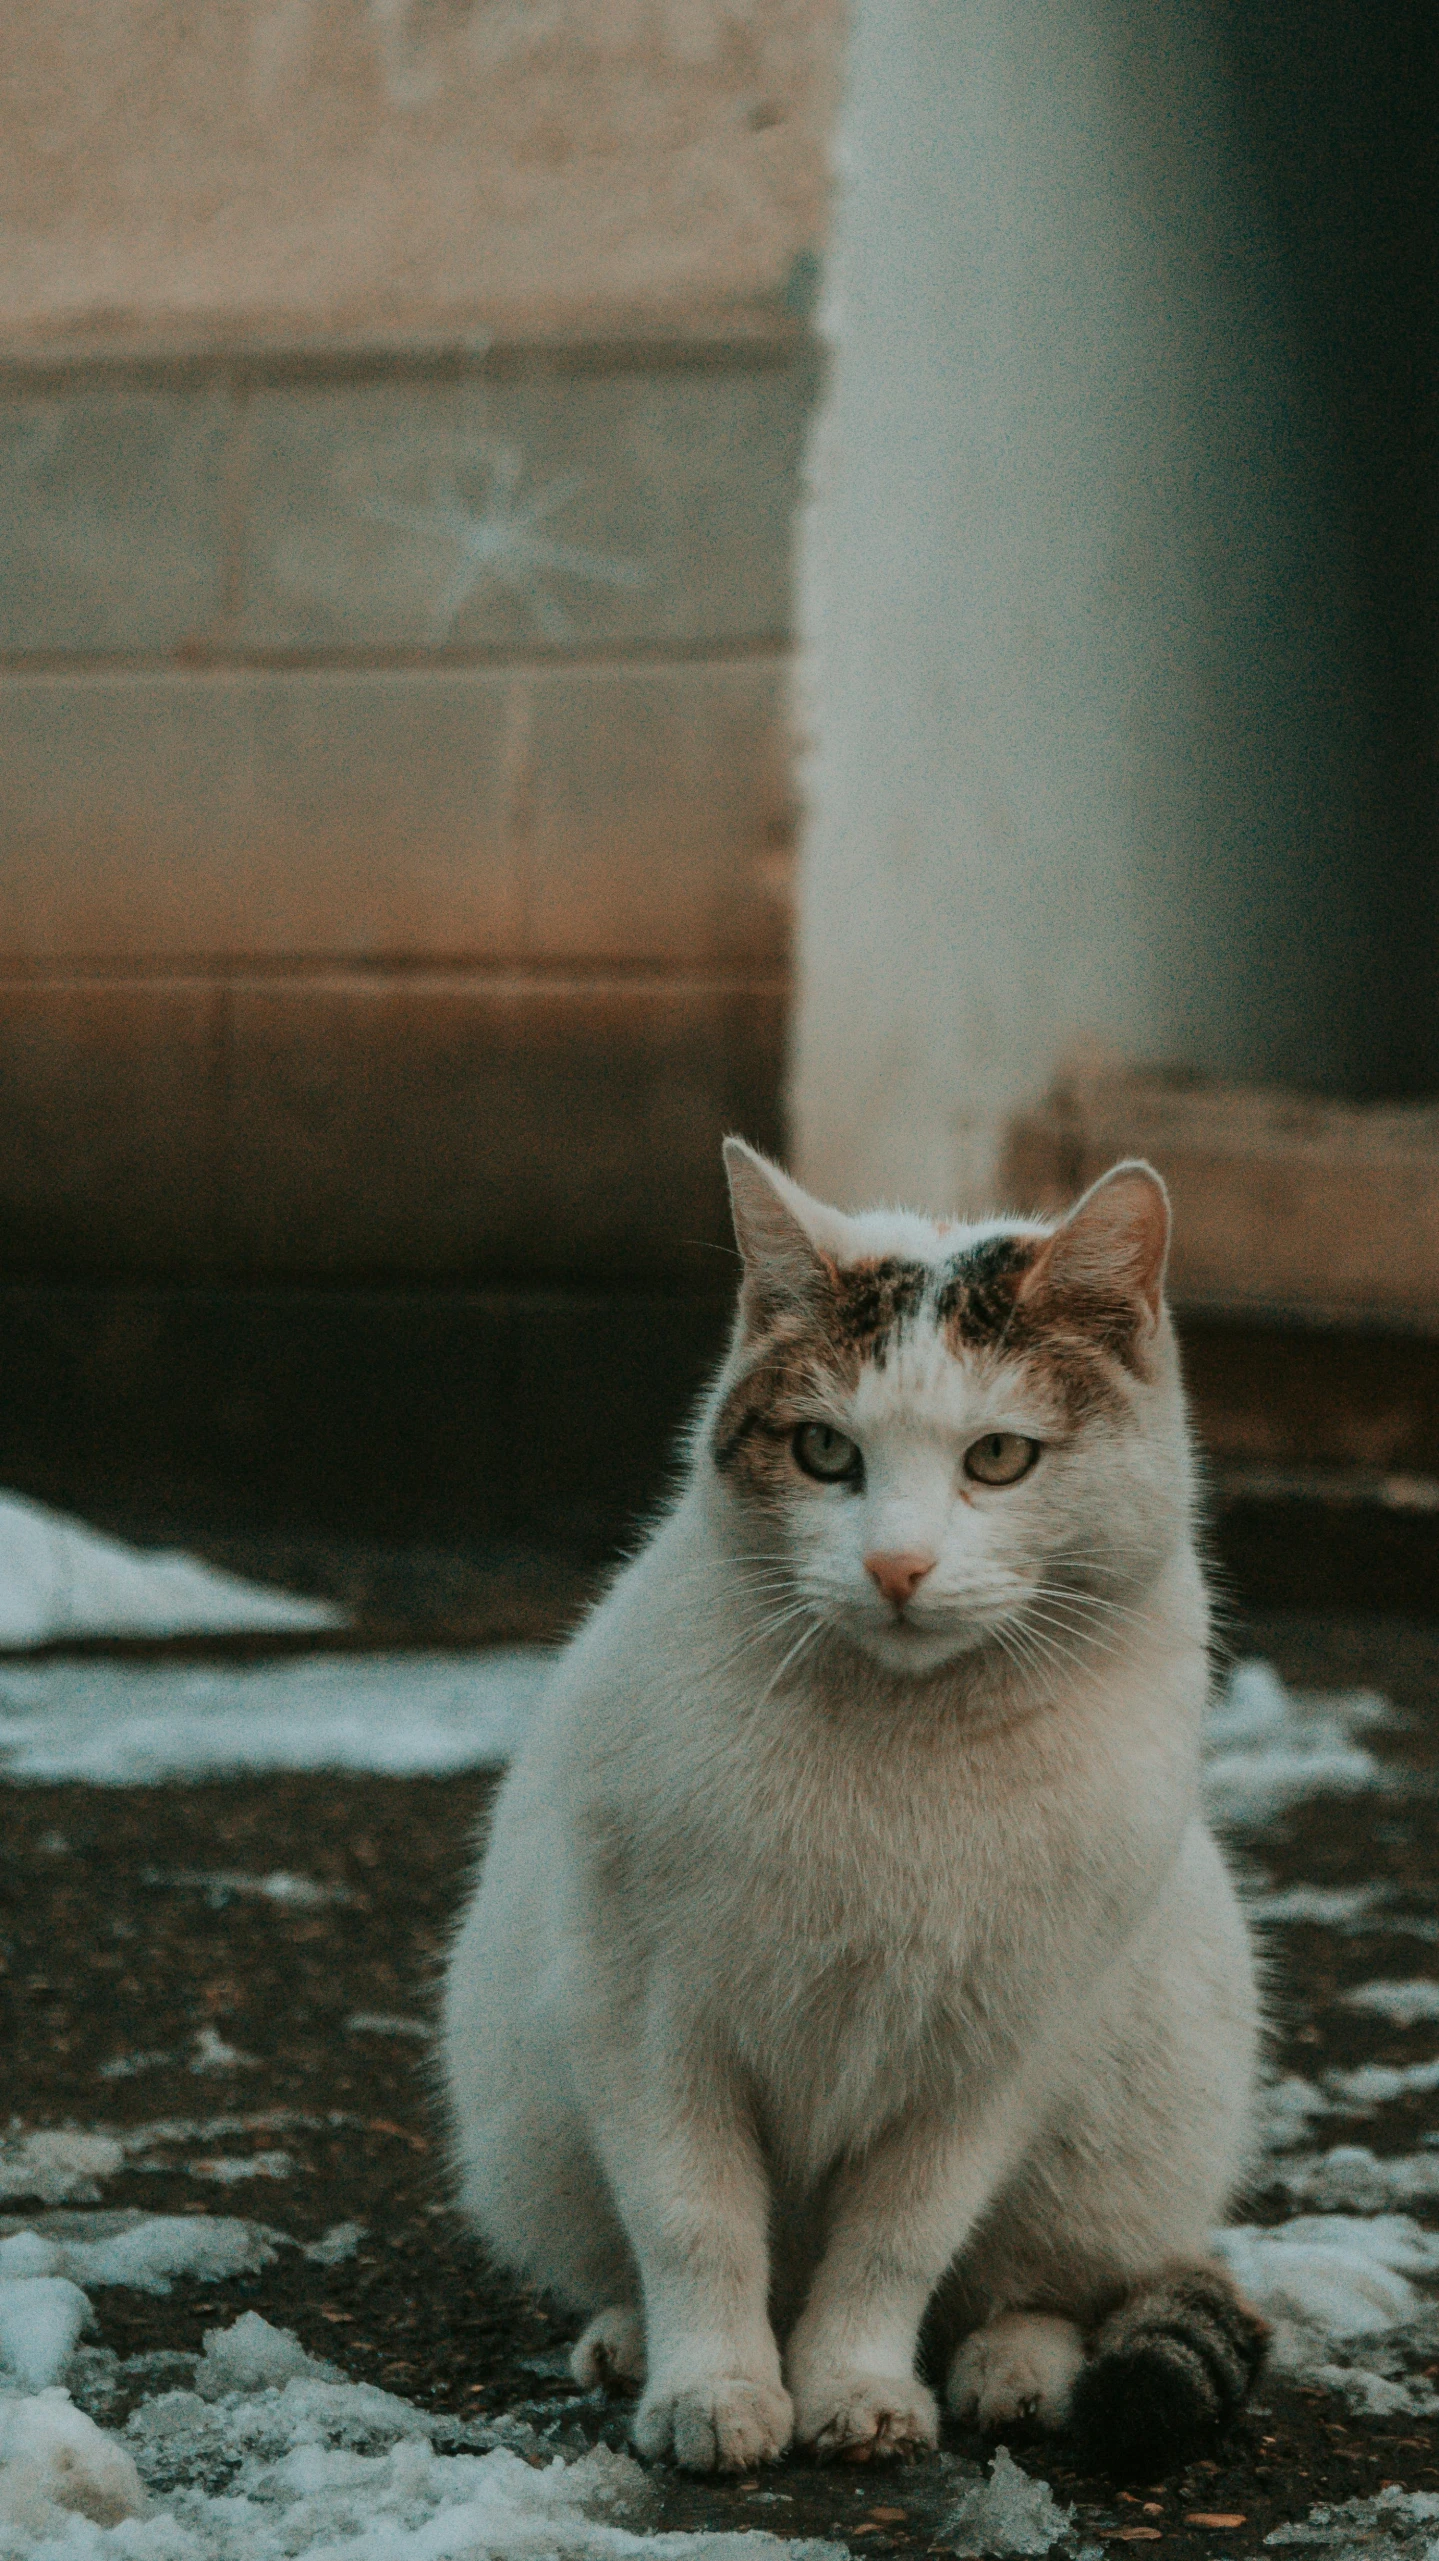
point(394, 848)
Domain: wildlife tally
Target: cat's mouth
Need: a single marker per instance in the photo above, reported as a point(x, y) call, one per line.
point(906, 1642)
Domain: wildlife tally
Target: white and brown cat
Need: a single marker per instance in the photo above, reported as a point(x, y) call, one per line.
point(850, 1952)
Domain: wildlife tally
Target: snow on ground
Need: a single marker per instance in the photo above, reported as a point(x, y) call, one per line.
point(222, 1885)
point(1009, 2513)
point(1351, 2179)
point(1268, 1747)
point(1325, 1907)
point(1286, 2108)
point(59, 1579)
point(1343, 2275)
point(64, 2168)
point(1400, 2525)
point(265, 2455)
point(1289, 2105)
point(1402, 2004)
point(268, 2455)
point(207, 2051)
point(1352, 1910)
point(60, 2168)
point(1372, 2084)
point(115, 1724)
point(126, 2247)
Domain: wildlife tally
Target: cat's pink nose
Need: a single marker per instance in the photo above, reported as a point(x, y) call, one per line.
point(899, 1572)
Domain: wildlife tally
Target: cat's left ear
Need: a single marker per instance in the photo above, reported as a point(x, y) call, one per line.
point(1112, 1248)
point(789, 1242)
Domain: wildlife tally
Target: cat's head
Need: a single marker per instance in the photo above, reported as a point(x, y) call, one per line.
point(950, 1437)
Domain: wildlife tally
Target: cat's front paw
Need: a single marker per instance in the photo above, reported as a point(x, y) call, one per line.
point(726, 2424)
point(866, 2418)
point(1019, 2371)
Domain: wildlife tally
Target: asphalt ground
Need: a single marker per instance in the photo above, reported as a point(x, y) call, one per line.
point(113, 1946)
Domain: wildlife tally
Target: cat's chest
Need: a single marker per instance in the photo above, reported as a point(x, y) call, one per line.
point(930, 1910)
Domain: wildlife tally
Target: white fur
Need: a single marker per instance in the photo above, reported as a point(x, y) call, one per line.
point(824, 1968)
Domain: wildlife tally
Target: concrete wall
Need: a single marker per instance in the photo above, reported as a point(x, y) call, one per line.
point(228, 167)
point(1082, 614)
point(400, 438)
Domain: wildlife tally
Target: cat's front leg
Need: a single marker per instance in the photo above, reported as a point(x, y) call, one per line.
point(692, 2193)
point(900, 2216)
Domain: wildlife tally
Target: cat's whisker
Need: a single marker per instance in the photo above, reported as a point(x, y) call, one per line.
point(1042, 1646)
point(1091, 1628)
point(1082, 1641)
point(1086, 1634)
point(753, 1636)
point(1096, 1605)
point(806, 1637)
point(1018, 1645)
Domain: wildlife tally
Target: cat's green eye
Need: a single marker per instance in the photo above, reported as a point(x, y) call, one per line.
point(1000, 1458)
point(830, 1455)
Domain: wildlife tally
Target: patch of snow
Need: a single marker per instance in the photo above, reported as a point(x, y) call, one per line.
point(1009, 2513)
point(163, 2132)
point(1402, 2004)
point(1359, 1911)
point(55, 2463)
point(147, 2251)
point(269, 2454)
point(25, 2254)
point(41, 2317)
point(1372, 2084)
point(1325, 2281)
point(59, 2168)
point(1285, 2109)
point(1343, 2276)
point(1352, 2179)
point(1268, 1747)
point(377, 2023)
point(59, 1579)
point(137, 1724)
point(222, 1886)
point(339, 2243)
point(1375, 2396)
point(252, 2354)
point(213, 2054)
point(209, 2052)
point(273, 2456)
point(1396, 2525)
point(1331, 1907)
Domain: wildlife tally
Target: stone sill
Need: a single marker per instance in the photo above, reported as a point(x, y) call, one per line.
point(750, 335)
point(1285, 1206)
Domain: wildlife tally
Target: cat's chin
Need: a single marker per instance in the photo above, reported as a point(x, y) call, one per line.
point(914, 1652)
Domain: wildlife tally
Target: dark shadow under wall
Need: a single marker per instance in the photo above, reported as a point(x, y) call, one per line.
point(1338, 105)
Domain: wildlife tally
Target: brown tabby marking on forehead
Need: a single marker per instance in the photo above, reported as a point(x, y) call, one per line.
point(975, 1297)
point(857, 1312)
point(1071, 1338)
point(867, 1304)
point(752, 1430)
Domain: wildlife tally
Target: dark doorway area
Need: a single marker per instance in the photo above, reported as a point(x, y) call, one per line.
point(1336, 102)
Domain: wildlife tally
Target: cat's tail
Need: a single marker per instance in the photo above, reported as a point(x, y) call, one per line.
point(1168, 2367)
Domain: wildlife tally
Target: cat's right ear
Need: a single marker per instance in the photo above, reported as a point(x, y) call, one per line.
point(789, 1243)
